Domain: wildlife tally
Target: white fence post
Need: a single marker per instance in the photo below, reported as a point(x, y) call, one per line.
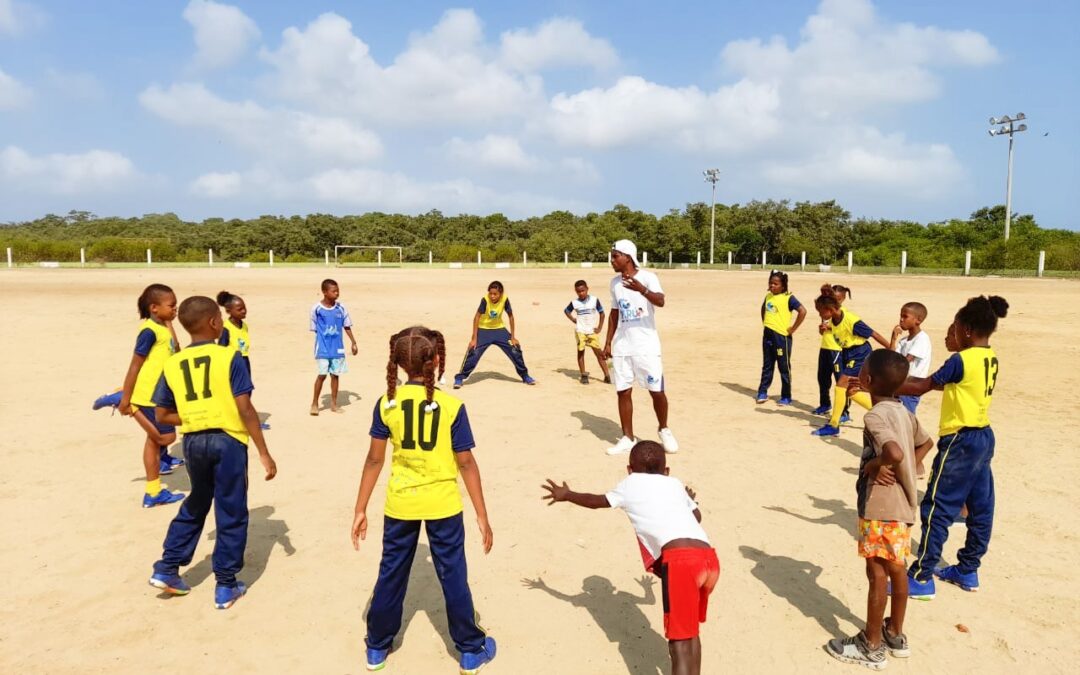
point(210, 256)
point(729, 259)
point(699, 259)
point(849, 261)
point(524, 258)
point(565, 258)
point(967, 263)
point(669, 258)
point(644, 258)
point(1042, 262)
point(479, 261)
point(9, 256)
point(82, 257)
point(802, 265)
point(148, 258)
point(378, 255)
point(429, 258)
point(903, 262)
point(326, 256)
point(271, 257)
point(763, 263)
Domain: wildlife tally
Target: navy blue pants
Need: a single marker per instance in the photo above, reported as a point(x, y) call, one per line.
point(151, 414)
point(961, 476)
point(446, 537)
point(775, 351)
point(828, 373)
point(486, 337)
point(217, 464)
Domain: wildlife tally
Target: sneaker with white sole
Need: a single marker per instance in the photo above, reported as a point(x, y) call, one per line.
point(624, 446)
point(855, 650)
point(667, 439)
point(896, 644)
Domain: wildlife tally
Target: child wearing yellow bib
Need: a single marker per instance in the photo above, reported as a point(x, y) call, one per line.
point(961, 473)
point(776, 312)
point(489, 329)
point(235, 332)
point(828, 366)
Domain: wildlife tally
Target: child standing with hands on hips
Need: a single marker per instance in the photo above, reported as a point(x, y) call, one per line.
point(330, 321)
point(776, 310)
point(432, 444)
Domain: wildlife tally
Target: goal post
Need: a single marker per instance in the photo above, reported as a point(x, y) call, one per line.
point(368, 256)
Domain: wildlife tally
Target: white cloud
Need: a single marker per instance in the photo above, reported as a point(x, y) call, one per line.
point(87, 172)
point(492, 151)
point(13, 94)
point(558, 42)
point(282, 134)
point(446, 76)
point(19, 17)
point(217, 185)
point(222, 32)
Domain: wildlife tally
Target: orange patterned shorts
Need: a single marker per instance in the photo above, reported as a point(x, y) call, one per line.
point(888, 539)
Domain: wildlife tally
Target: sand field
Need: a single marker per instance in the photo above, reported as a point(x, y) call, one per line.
point(778, 504)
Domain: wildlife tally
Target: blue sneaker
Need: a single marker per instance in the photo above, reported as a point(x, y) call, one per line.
point(376, 658)
point(472, 663)
point(458, 382)
point(822, 410)
point(174, 461)
point(761, 398)
point(165, 467)
point(170, 583)
point(108, 400)
point(952, 574)
point(921, 590)
point(226, 596)
point(845, 418)
point(827, 430)
point(528, 379)
point(783, 401)
point(163, 497)
point(264, 426)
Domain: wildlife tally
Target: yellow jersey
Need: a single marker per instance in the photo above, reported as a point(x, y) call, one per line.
point(491, 315)
point(778, 309)
point(968, 378)
point(236, 338)
point(201, 384)
point(828, 341)
point(851, 332)
point(423, 469)
point(155, 343)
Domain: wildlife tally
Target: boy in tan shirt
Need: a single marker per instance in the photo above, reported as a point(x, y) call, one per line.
point(888, 506)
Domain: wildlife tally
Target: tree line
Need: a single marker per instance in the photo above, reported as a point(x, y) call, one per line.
point(824, 230)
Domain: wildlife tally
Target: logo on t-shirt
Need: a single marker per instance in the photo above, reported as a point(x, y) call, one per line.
point(769, 307)
point(628, 312)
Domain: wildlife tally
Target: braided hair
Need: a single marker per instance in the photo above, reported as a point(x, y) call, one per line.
point(414, 350)
point(782, 276)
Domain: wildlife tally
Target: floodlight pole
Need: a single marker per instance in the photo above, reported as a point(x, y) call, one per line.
point(1009, 131)
point(712, 176)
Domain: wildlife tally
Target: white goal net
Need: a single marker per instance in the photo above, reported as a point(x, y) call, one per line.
point(367, 256)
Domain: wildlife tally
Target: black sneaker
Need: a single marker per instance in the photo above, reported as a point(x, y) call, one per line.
point(584, 378)
point(855, 650)
point(898, 645)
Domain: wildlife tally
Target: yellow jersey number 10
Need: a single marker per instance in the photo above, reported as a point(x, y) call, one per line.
point(414, 432)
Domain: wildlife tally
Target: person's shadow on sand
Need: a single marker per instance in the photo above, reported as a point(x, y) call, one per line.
point(840, 514)
point(618, 614)
point(263, 533)
point(424, 594)
point(603, 428)
point(797, 582)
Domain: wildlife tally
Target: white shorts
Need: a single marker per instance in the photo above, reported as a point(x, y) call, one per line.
point(648, 371)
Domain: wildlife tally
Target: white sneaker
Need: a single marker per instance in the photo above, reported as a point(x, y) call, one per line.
point(624, 445)
point(667, 439)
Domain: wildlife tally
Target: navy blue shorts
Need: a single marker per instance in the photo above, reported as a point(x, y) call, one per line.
point(150, 415)
point(851, 360)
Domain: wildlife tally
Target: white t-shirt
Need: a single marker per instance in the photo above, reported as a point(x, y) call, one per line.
point(587, 312)
point(636, 334)
point(658, 508)
point(918, 347)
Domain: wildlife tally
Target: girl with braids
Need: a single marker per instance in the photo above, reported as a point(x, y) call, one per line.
point(961, 472)
point(432, 443)
point(235, 330)
point(852, 335)
point(776, 313)
point(828, 363)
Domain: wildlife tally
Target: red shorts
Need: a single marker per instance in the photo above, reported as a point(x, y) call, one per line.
point(688, 576)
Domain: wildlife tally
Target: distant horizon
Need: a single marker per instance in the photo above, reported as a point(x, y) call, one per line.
point(200, 107)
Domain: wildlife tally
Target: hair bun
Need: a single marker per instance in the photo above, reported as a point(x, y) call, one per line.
point(392, 403)
point(1000, 306)
point(223, 298)
point(431, 406)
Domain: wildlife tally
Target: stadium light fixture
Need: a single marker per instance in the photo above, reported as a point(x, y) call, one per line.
point(1008, 128)
point(712, 176)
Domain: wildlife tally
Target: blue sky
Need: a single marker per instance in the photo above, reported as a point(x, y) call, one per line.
point(239, 109)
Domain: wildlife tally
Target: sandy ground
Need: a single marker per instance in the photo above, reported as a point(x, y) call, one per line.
point(777, 503)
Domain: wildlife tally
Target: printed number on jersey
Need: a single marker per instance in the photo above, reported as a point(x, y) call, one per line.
point(190, 369)
point(415, 415)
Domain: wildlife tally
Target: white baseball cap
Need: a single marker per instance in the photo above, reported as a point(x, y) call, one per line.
point(626, 247)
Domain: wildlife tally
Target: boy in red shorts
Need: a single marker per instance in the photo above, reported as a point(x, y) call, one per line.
point(888, 504)
point(667, 523)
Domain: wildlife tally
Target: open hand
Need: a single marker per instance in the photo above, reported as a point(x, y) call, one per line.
point(556, 493)
point(359, 529)
point(633, 284)
point(691, 493)
point(646, 582)
point(534, 584)
point(885, 477)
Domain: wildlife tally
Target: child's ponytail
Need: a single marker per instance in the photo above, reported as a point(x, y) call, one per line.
point(391, 373)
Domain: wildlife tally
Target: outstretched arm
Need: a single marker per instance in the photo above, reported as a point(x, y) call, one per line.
point(917, 386)
point(562, 493)
point(539, 585)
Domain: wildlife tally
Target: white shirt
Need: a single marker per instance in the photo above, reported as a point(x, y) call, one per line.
point(658, 508)
point(587, 312)
point(919, 348)
point(636, 334)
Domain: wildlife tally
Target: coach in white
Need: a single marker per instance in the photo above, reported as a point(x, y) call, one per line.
point(633, 345)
